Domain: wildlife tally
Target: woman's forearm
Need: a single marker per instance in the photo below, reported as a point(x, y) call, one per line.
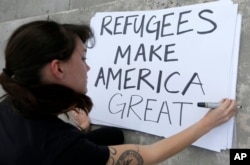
point(172, 145)
point(164, 149)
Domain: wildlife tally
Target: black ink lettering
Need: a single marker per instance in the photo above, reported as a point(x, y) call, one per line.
point(131, 104)
point(181, 110)
point(127, 78)
point(142, 77)
point(164, 24)
point(114, 76)
point(191, 82)
point(162, 112)
point(166, 81)
point(127, 23)
point(180, 22)
point(119, 52)
point(141, 27)
point(122, 104)
point(210, 21)
point(100, 76)
point(158, 89)
point(105, 24)
point(167, 52)
point(156, 30)
point(117, 24)
point(140, 52)
point(153, 52)
point(147, 108)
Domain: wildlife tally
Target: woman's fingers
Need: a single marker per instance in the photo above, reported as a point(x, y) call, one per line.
point(221, 114)
point(81, 119)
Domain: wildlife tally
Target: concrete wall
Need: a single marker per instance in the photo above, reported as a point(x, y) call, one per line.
point(16, 12)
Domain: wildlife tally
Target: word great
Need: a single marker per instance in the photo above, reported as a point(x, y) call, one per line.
point(142, 108)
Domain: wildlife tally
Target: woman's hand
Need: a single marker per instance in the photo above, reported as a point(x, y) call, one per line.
point(81, 118)
point(220, 115)
point(167, 147)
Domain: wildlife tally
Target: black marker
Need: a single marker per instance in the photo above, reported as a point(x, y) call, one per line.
point(212, 105)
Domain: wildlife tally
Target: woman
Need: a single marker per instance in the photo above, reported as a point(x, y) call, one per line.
point(45, 75)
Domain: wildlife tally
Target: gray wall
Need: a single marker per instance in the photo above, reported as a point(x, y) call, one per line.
point(16, 12)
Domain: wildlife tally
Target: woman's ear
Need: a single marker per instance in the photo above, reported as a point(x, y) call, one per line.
point(56, 69)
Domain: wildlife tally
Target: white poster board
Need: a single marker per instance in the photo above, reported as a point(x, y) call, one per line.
point(150, 68)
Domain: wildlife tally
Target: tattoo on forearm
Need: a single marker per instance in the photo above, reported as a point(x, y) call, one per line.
point(127, 158)
point(112, 153)
point(130, 157)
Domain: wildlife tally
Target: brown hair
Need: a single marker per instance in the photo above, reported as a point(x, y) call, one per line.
point(29, 49)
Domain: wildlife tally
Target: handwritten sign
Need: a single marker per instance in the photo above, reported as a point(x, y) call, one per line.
point(150, 68)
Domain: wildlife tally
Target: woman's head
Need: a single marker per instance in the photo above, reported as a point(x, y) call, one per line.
point(36, 44)
point(44, 53)
point(71, 73)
